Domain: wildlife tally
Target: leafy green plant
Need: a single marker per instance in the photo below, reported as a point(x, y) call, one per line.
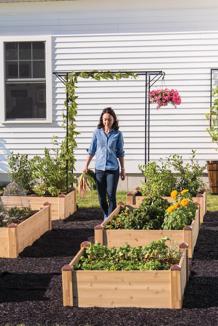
point(155, 256)
point(162, 177)
point(13, 215)
point(160, 180)
point(150, 215)
point(49, 172)
point(157, 213)
point(40, 175)
point(181, 212)
point(189, 175)
point(20, 170)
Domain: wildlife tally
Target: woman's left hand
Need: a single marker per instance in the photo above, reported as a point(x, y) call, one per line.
point(122, 174)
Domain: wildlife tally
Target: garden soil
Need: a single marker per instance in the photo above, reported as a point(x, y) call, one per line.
point(30, 285)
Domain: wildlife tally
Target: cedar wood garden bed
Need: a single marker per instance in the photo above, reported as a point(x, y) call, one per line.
point(102, 288)
point(31, 287)
point(133, 198)
point(15, 237)
point(61, 207)
point(119, 237)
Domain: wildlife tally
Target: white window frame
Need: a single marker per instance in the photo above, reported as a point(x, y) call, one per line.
point(48, 78)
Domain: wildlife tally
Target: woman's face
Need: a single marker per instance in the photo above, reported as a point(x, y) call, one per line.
point(108, 120)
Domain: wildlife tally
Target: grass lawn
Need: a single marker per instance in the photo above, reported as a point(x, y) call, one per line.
point(91, 200)
point(212, 202)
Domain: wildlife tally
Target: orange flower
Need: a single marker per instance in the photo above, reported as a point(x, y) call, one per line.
point(174, 194)
point(170, 209)
point(184, 202)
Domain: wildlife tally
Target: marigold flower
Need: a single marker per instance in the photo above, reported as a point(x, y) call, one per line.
point(170, 209)
point(174, 194)
point(184, 202)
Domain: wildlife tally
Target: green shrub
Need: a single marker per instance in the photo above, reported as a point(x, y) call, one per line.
point(189, 175)
point(159, 179)
point(20, 170)
point(44, 175)
point(49, 174)
point(162, 177)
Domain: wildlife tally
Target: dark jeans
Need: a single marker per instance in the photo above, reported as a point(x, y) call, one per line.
point(107, 182)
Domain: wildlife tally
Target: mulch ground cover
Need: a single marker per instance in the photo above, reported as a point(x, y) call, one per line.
point(30, 285)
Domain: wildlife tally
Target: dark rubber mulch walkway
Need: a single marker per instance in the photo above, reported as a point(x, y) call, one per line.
point(30, 286)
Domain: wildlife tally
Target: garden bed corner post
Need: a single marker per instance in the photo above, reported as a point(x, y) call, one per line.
point(99, 234)
point(176, 287)
point(183, 247)
point(49, 219)
point(188, 238)
point(13, 245)
point(178, 282)
point(67, 285)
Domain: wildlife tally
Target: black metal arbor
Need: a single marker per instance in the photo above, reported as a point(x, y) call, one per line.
point(150, 78)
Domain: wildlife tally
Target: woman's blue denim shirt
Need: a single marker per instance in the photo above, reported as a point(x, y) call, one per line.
point(107, 149)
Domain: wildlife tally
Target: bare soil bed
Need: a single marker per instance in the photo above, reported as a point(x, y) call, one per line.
point(30, 285)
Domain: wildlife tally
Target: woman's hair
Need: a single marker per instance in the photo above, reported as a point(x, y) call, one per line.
point(109, 110)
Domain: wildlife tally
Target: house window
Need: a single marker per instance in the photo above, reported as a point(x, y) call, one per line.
point(25, 80)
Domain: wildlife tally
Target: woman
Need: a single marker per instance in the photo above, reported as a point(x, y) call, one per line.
point(107, 145)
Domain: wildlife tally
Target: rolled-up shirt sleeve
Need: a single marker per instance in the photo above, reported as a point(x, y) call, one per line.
point(93, 146)
point(120, 145)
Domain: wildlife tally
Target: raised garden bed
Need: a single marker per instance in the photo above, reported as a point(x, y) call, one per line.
point(134, 198)
point(61, 207)
point(145, 289)
point(15, 237)
point(119, 237)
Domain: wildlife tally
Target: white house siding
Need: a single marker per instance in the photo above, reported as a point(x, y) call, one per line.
point(179, 38)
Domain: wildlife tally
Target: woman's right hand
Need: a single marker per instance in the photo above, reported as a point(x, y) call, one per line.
point(86, 163)
point(122, 174)
point(85, 170)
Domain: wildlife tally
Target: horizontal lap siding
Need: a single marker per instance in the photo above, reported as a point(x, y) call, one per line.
point(97, 37)
point(185, 58)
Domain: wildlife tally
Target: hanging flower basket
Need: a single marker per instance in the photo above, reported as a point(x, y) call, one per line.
point(165, 96)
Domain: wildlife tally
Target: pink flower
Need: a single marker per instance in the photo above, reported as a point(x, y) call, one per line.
point(164, 96)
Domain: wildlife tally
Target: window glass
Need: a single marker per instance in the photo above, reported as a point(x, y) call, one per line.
point(11, 69)
point(25, 101)
point(38, 50)
point(38, 69)
point(25, 51)
point(25, 98)
point(25, 69)
point(11, 52)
